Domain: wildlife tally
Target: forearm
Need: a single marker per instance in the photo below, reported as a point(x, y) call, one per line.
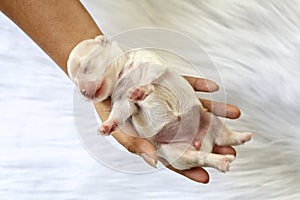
point(55, 25)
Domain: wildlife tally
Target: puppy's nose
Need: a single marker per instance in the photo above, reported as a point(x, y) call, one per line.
point(86, 94)
point(88, 89)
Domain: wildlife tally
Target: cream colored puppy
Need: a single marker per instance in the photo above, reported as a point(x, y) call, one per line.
point(160, 104)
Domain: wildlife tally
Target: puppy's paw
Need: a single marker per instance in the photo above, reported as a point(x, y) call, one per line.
point(224, 163)
point(233, 138)
point(107, 127)
point(102, 40)
point(136, 94)
point(245, 137)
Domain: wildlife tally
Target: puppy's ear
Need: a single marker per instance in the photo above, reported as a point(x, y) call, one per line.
point(102, 40)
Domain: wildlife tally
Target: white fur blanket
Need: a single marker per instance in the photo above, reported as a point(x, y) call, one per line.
point(256, 47)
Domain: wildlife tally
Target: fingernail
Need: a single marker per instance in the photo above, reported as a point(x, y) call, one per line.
point(210, 85)
point(147, 158)
point(213, 87)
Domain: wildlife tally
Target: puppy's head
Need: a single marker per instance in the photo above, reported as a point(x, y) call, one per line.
point(90, 68)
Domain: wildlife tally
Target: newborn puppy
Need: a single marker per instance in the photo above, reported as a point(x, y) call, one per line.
point(158, 102)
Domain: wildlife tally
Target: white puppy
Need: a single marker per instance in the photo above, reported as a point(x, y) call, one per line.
point(157, 101)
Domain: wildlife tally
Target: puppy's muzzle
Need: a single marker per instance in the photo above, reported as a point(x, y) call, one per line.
point(88, 89)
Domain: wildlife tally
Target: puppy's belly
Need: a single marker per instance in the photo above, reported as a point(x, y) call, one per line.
point(157, 110)
point(159, 117)
point(171, 134)
point(166, 128)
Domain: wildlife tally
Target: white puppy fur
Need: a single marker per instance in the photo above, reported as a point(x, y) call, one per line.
point(159, 103)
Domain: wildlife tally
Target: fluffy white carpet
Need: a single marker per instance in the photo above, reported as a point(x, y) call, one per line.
point(256, 47)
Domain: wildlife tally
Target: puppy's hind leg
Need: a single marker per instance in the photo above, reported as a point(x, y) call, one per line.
point(222, 135)
point(229, 138)
point(182, 157)
point(178, 155)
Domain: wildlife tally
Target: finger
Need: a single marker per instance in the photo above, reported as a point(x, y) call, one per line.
point(224, 150)
point(103, 108)
point(197, 174)
point(201, 84)
point(221, 109)
point(136, 145)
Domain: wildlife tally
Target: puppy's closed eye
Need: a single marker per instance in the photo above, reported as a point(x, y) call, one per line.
point(85, 70)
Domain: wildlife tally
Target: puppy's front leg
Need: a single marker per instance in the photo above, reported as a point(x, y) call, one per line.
point(136, 94)
point(121, 111)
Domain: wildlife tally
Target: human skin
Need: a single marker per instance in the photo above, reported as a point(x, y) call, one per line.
point(58, 26)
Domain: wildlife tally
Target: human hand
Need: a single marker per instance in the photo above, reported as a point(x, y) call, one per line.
point(143, 147)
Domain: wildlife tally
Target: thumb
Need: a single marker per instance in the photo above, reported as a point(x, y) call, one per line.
point(136, 145)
